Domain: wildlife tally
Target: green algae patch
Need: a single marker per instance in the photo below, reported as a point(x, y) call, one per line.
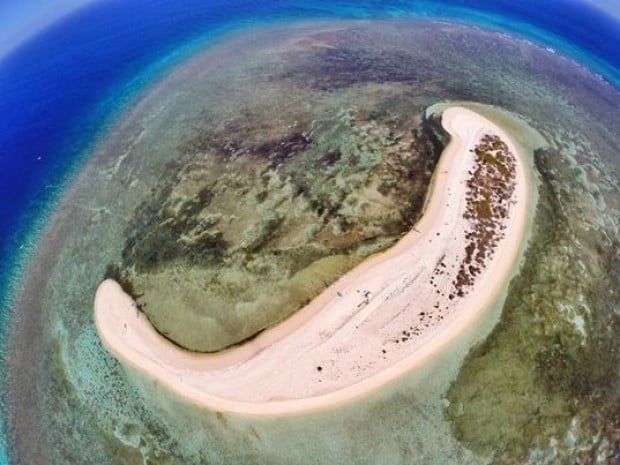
point(253, 220)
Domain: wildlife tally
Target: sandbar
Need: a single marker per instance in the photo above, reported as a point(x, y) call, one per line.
point(384, 318)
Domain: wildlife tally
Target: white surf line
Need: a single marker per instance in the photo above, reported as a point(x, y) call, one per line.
point(389, 315)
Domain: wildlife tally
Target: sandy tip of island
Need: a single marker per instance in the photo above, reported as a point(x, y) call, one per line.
point(342, 345)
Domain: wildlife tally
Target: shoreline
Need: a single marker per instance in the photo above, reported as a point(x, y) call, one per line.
point(130, 337)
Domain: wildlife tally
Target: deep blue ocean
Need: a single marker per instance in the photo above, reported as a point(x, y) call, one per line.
point(63, 88)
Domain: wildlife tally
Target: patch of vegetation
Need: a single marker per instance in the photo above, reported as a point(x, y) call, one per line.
point(483, 209)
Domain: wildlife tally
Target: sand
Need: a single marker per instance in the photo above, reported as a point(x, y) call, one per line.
point(386, 317)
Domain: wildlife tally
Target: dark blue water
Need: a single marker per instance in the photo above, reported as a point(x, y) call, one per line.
point(61, 90)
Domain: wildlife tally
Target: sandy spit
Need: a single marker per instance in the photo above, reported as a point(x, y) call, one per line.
point(379, 321)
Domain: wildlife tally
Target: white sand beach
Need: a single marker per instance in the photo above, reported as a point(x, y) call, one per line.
point(386, 317)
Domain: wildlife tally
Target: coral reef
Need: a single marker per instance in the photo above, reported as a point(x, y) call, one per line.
point(245, 227)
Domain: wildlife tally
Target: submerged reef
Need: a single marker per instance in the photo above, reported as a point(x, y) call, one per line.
point(545, 383)
point(354, 338)
point(252, 220)
point(217, 167)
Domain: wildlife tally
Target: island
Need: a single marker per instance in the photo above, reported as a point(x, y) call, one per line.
point(386, 317)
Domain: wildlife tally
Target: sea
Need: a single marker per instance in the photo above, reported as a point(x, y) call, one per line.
point(65, 87)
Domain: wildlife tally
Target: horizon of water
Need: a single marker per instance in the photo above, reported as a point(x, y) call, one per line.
point(63, 145)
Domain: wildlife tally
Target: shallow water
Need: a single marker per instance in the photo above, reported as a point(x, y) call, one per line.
point(261, 200)
point(560, 312)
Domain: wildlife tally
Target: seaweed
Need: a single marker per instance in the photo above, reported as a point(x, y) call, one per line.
point(279, 150)
point(155, 238)
point(329, 158)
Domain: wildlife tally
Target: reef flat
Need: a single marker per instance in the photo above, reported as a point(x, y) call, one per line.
point(537, 380)
point(259, 213)
point(385, 317)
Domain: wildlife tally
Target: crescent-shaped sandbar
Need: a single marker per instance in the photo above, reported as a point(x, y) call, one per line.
point(388, 316)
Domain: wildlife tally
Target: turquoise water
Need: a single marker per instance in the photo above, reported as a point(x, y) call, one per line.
point(115, 73)
point(115, 69)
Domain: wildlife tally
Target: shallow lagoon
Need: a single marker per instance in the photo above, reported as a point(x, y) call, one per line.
point(540, 372)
